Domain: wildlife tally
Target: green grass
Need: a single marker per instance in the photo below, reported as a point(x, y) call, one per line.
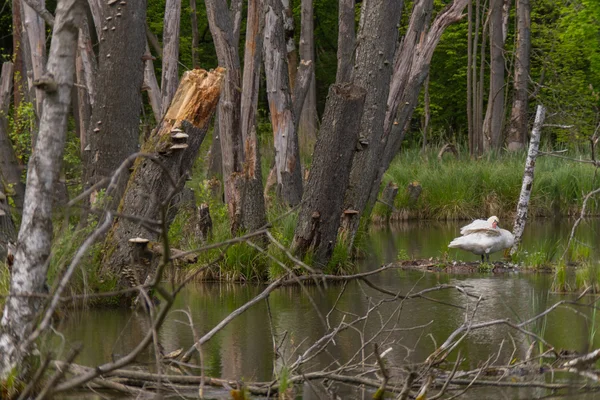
point(464, 189)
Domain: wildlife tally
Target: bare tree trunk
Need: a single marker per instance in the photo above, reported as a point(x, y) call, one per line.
point(151, 184)
point(290, 45)
point(34, 30)
point(20, 72)
point(10, 168)
point(253, 205)
point(222, 29)
point(215, 158)
point(523, 205)
point(346, 41)
point(319, 217)
point(376, 45)
point(479, 84)
point(151, 86)
point(170, 59)
point(34, 242)
point(85, 69)
point(517, 135)
point(309, 121)
point(427, 114)
point(114, 129)
point(494, 118)
point(287, 153)
point(195, 35)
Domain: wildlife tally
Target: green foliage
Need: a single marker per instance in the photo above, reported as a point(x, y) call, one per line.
point(466, 189)
point(21, 125)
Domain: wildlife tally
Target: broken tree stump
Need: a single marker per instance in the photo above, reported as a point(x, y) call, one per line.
point(175, 143)
point(414, 192)
point(205, 225)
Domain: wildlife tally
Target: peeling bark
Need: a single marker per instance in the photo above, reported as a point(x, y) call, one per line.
point(33, 246)
point(517, 134)
point(527, 185)
point(319, 217)
point(287, 152)
point(150, 184)
point(170, 58)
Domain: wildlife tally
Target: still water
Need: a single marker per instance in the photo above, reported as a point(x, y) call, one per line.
point(244, 349)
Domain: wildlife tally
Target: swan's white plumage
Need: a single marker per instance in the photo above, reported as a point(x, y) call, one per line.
point(481, 238)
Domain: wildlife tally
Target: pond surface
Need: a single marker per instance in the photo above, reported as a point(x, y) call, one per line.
point(244, 349)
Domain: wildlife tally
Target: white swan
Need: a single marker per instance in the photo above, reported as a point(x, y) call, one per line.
point(483, 237)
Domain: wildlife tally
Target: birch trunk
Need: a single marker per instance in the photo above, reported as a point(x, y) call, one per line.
point(523, 205)
point(287, 153)
point(10, 168)
point(170, 58)
point(150, 184)
point(346, 41)
point(309, 120)
point(35, 235)
point(517, 134)
point(494, 117)
point(319, 217)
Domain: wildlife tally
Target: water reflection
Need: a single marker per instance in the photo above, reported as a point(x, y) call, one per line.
point(245, 348)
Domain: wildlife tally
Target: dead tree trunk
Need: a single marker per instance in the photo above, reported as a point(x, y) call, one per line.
point(290, 45)
point(10, 168)
point(517, 134)
point(494, 117)
point(408, 80)
point(35, 34)
point(151, 85)
point(35, 235)
point(523, 205)
point(170, 57)
point(86, 69)
point(309, 120)
point(376, 45)
point(195, 35)
point(319, 217)
point(114, 128)
point(287, 152)
point(253, 205)
point(175, 143)
point(346, 41)
point(215, 158)
point(8, 233)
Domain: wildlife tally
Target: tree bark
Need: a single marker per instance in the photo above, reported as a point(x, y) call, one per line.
point(34, 241)
point(319, 217)
point(376, 45)
point(517, 134)
point(114, 128)
point(309, 120)
point(222, 29)
point(253, 204)
point(170, 59)
point(20, 72)
point(290, 45)
point(195, 35)
point(35, 34)
point(85, 69)
point(151, 86)
point(215, 158)
point(10, 168)
point(523, 205)
point(346, 41)
point(151, 184)
point(470, 73)
point(287, 152)
point(494, 117)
